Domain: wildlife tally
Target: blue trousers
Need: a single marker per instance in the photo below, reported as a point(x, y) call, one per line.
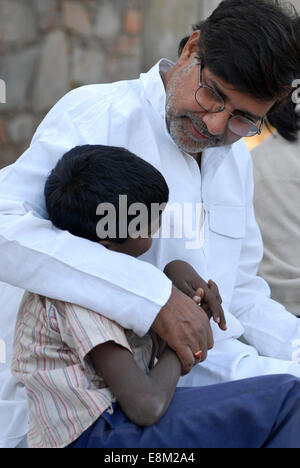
point(262, 412)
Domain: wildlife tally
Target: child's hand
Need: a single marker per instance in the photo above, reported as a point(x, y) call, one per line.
point(159, 346)
point(185, 278)
point(199, 298)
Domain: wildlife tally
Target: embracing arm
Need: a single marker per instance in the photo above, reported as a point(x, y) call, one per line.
point(37, 257)
point(144, 398)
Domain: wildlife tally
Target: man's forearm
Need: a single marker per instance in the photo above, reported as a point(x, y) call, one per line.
point(100, 283)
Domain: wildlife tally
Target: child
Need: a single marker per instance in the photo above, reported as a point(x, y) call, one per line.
point(90, 383)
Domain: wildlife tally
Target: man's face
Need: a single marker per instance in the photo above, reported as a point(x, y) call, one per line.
point(191, 127)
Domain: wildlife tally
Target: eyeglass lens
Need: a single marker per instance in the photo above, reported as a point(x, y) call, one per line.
point(213, 103)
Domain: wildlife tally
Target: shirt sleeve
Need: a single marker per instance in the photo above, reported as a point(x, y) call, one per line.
point(37, 257)
point(268, 326)
point(83, 330)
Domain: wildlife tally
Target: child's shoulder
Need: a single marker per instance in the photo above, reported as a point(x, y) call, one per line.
point(73, 316)
point(65, 316)
point(31, 301)
point(37, 309)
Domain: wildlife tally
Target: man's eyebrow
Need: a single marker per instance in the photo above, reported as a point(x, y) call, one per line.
point(247, 113)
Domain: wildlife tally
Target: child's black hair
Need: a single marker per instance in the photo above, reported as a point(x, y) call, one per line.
point(90, 175)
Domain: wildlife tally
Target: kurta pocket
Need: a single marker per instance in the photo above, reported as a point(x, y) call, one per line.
point(227, 230)
point(229, 221)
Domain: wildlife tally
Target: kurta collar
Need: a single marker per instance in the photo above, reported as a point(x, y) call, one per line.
point(154, 87)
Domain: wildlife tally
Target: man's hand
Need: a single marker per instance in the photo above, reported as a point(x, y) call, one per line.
point(186, 329)
point(187, 280)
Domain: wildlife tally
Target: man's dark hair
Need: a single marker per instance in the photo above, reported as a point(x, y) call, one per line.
point(286, 121)
point(89, 175)
point(253, 45)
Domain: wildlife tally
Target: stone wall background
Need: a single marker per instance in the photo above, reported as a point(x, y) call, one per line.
point(48, 47)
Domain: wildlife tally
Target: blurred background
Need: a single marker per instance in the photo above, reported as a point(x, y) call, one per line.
point(48, 47)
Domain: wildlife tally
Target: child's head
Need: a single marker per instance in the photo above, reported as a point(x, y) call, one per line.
point(88, 176)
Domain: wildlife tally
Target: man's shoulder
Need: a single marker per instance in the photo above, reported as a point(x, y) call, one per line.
point(94, 107)
point(241, 151)
point(242, 157)
point(85, 98)
point(239, 168)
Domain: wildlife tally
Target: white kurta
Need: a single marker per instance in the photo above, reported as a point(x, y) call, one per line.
point(38, 257)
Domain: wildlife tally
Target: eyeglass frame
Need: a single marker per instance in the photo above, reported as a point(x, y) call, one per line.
point(221, 109)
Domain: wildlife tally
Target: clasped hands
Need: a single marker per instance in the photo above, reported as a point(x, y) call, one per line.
point(182, 322)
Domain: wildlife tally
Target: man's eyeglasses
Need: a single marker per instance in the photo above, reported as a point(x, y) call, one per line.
point(212, 102)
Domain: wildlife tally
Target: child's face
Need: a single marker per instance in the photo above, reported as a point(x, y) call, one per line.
point(135, 247)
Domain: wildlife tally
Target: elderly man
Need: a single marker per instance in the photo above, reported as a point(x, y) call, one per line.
point(187, 119)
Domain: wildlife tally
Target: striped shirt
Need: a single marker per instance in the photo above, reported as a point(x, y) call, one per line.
point(51, 347)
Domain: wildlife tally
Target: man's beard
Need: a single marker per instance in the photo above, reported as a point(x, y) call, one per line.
point(186, 141)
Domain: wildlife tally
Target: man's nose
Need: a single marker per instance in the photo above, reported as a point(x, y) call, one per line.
point(216, 123)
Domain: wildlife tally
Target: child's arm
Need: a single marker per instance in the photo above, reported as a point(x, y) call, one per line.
point(144, 398)
point(187, 280)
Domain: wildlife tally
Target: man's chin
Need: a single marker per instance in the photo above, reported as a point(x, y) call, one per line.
point(219, 144)
point(199, 147)
point(195, 146)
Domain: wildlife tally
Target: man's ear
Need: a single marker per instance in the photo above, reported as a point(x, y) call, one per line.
point(191, 47)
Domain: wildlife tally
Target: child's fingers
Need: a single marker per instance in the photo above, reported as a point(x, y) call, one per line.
point(217, 309)
point(198, 296)
point(214, 288)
